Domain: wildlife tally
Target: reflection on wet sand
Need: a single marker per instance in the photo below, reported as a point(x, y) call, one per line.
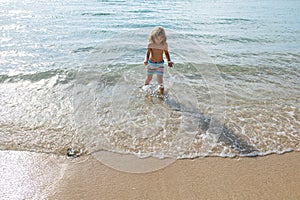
point(28, 175)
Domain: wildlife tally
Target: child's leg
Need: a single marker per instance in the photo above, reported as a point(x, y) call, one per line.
point(160, 82)
point(149, 78)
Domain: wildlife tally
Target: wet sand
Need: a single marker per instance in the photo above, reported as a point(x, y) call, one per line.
point(28, 175)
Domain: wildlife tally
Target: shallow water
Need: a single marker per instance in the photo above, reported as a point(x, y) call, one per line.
point(71, 74)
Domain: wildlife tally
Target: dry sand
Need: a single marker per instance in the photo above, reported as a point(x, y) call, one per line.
point(27, 175)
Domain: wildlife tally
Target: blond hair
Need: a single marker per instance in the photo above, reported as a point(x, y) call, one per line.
point(156, 32)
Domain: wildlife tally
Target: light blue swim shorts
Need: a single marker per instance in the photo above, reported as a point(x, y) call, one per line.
point(155, 67)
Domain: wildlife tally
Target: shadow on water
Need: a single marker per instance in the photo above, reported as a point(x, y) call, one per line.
point(197, 125)
point(229, 138)
point(226, 136)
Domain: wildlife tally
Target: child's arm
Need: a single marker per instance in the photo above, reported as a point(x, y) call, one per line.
point(170, 63)
point(147, 56)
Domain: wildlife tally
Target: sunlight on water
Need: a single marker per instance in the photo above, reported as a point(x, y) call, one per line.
point(71, 74)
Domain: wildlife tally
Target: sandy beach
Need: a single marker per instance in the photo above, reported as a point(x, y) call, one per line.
point(28, 175)
point(71, 91)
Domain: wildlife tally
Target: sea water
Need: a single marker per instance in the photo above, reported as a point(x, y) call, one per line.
point(71, 71)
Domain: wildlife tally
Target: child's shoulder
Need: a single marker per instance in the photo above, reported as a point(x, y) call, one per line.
point(158, 46)
point(166, 45)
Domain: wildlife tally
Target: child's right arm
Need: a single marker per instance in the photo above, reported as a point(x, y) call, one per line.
point(147, 56)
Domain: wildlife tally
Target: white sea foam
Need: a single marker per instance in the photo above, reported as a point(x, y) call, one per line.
point(70, 78)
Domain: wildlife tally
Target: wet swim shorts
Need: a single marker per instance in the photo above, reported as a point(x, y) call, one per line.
point(155, 68)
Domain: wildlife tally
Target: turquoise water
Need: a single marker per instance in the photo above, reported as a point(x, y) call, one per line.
point(70, 73)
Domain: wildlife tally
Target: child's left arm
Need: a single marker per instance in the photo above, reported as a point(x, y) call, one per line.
point(170, 63)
